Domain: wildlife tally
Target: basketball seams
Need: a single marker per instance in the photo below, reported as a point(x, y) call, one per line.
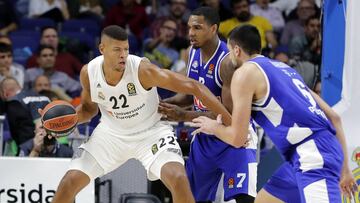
point(54, 104)
point(57, 118)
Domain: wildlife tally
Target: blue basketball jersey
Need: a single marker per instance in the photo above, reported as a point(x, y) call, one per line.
point(207, 73)
point(289, 114)
point(210, 157)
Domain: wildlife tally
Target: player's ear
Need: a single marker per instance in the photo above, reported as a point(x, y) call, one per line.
point(237, 50)
point(101, 48)
point(214, 28)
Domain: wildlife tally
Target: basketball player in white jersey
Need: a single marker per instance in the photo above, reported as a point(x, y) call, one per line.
point(123, 87)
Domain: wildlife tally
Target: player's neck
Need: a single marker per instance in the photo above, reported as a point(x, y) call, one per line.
point(249, 57)
point(112, 77)
point(209, 49)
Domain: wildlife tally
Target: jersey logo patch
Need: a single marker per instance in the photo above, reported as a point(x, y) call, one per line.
point(195, 64)
point(231, 182)
point(98, 85)
point(154, 148)
point(101, 96)
point(131, 89)
point(211, 69)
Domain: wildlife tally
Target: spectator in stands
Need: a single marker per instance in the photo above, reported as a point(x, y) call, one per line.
point(307, 47)
point(304, 10)
point(44, 146)
point(308, 71)
point(21, 108)
point(41, 82)
point(159, 49)
point(262, 8)
point(129, 15)
point(179, 12)
point(8, 19)
point(242, 14)
point(224, 13)
point(46, 61)
point(7, 67)
point(65, 62)
point(282, 56)
point(53, 9)
point(22, 8)
point(86, 9)
point(288, 6)
point(42, 86)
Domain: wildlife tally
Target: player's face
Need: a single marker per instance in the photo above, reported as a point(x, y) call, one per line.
point(200, 31)
point(115, 52)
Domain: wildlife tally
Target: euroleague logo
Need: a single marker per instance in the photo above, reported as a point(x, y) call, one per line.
point(356, 172)
point(200, 106)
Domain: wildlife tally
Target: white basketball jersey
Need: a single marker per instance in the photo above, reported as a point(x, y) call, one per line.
point(126, 108)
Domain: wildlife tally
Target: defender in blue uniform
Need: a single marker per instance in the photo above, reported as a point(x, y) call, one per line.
point(209, 157)
point(301, 125)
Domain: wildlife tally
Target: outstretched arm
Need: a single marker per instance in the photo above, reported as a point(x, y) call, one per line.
point(152, 76)
point(245, 83)
point(347, 182)
point(176, 113)
point(87, 109)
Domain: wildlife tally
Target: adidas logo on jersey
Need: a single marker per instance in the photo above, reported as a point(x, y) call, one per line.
point(98, 85)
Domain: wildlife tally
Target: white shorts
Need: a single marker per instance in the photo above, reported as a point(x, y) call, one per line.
point(110, 151)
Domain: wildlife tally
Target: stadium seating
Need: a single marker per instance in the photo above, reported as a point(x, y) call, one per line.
point(25, 43)
point(84, 26)
point(36, 24)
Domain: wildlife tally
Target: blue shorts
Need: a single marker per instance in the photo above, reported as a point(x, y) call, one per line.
point(283, 185)
point(314, 171)
point(209, 158)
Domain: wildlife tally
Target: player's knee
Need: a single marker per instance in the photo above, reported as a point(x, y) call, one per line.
point(74, 181)
point(174, 177)
point(179, 179)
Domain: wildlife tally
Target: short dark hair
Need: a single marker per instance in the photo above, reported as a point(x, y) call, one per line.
point(44, 46)
point(247, 37)
point(115, 32)
point(210, 14)
point(5, 48)
point(47, 27)
point(313, 17)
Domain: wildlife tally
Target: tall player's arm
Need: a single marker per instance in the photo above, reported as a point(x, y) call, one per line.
point(227, 70)
point(347, 180)
point(153, 76)
point(247, 84)
point(87, 109)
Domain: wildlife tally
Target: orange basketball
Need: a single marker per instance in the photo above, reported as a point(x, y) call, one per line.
point(59, 118)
